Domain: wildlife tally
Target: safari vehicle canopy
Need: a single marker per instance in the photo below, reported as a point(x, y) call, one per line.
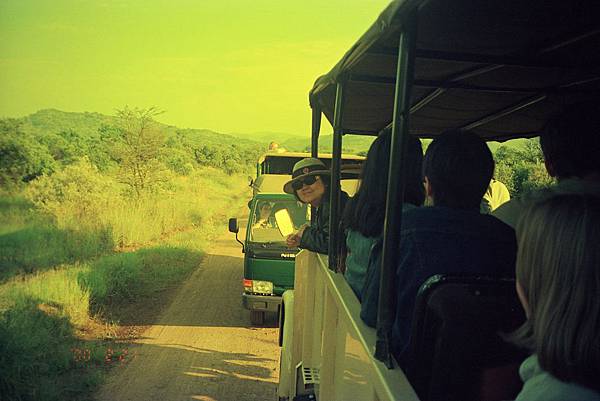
point(497, 68)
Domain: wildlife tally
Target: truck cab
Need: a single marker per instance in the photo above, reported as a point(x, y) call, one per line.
point(268, 262)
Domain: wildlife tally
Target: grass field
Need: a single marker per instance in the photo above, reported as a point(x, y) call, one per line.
point(64, 268)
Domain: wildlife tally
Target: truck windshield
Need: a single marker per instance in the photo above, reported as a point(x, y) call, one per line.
point(272, 221)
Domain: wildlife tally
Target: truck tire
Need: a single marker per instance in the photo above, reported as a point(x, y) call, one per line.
point(257, 317)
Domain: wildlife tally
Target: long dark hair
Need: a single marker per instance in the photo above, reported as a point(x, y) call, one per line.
point(365, 212)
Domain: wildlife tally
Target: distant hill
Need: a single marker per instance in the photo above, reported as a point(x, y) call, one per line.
point(268, 136)
point(54, 121)
point(87, 124)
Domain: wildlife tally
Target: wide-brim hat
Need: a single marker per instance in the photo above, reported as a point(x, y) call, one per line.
point(304, 168)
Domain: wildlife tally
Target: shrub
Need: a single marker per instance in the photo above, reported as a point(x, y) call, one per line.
point(36, 357)
point(77, 194)
point(129, 276)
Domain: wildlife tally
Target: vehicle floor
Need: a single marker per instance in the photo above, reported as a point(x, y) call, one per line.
point(203, 346)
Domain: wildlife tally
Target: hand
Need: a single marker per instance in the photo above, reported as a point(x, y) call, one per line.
point(293, 240)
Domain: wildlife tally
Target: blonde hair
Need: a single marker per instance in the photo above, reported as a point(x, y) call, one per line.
point(558, 267)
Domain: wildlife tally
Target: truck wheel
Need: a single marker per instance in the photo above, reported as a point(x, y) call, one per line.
point(257, 317)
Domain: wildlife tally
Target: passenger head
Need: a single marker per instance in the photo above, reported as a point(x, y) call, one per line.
point(366, 210)
point(558, 278)
point(264, 210)
point(310, 181)
point(457, 167)
point(570, 141)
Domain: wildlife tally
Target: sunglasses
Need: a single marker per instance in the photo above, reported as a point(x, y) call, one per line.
point(311, 179)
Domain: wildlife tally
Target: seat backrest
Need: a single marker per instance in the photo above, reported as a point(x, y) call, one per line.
point(456, 351)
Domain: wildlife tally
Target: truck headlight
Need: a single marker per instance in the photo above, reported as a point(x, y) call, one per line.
point(262, 287)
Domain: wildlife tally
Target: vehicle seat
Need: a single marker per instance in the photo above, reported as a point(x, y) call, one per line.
point(456, 351)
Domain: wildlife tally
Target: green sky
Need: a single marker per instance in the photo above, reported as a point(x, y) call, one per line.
point(226, 65)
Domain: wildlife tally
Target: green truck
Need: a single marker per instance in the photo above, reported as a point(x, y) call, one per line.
point(268, 262)
point(273, 215)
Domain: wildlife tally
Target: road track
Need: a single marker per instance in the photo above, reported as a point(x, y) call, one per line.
point(203, 346)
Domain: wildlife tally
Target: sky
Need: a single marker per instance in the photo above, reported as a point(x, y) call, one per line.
point(233, 66)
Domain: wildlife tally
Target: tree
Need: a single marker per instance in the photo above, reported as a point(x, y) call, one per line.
point(522, 170)
point(22, 158)
point(138, 148)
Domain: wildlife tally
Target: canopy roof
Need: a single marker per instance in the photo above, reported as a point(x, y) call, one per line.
point(499, 68)
point(301, 155)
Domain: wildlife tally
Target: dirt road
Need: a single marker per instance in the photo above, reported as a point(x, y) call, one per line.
point(203, 346)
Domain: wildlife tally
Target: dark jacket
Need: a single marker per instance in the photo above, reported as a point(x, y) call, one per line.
point(316, 237)
point(438, 240)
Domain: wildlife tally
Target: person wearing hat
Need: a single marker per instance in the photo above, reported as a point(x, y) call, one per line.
point(310, 184)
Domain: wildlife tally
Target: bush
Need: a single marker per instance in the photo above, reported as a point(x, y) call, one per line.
point(130, 276)
point(521, 170)
point(43, 246)
point(77, 194)
point(22, 158)
point(36, 356)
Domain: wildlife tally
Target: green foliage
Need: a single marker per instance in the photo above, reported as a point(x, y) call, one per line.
point(58, 288)
point(521, 170)
point(22, 159)
point(179, 161)
point(351, 144)
point(77, 193)
point(66, 147)
point(40, 247)
point(137, 144)
point(131, 145)
point(231, 158)
point(16, 213)
point(30, 241)
point(36, 356)
point(115, 279)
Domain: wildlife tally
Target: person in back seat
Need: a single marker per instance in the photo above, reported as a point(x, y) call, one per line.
point(363, 217)
point(452, 236)
point(558, 282)
point(570, 143)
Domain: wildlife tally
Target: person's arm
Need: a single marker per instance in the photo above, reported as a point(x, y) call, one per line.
point(316, 237)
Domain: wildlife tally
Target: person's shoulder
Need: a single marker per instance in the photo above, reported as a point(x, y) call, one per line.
point(415, 212)
point(540, 385)
point(494, 221)
point(510, 211)
point(419, 217)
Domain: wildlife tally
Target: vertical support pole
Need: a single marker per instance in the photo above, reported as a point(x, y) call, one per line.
point(334, 185)
point(316, 129)
point(395, 195)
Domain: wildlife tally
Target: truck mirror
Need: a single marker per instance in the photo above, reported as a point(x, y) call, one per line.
point(284, 222)
point(234, 228)
point(233, 225)
point(250, 181)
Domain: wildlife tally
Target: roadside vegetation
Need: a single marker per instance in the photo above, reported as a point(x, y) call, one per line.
point(94, 225)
